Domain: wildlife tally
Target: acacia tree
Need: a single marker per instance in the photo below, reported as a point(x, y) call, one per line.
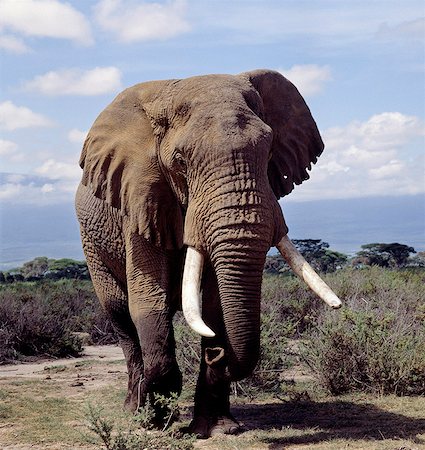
point(318, 254)
point(35, 268)
point(384, 255)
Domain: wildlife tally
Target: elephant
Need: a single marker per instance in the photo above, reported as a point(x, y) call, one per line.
point(178, 207)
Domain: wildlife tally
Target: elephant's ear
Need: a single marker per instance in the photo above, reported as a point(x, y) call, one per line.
point(120, 165)
point(296, 139)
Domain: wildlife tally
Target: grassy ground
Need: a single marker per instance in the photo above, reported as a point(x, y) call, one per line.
point(48, 412)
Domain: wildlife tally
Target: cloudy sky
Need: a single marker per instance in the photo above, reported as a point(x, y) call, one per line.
point(359, 64)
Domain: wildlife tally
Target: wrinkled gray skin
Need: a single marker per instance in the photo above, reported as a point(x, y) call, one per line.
point(197, 162)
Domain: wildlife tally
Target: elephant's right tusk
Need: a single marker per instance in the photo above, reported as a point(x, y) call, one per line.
point(303, 269)
point(191, 292)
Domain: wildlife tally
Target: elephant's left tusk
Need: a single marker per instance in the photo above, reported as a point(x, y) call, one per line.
point(303, 269)
point(191, 292)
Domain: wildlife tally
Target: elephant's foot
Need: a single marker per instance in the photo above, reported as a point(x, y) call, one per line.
point(133, 399)
point(158, 394)
point(163, 416)
point(205, 427)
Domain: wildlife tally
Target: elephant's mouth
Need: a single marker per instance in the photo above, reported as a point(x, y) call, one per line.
point(191, 295)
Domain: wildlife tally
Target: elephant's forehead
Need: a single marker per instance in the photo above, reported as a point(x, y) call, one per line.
point(210, 89)
point(218, 103)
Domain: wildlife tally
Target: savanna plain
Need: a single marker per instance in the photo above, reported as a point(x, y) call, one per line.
point(353, 378)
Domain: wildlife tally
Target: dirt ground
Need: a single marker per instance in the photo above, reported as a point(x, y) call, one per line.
point(37, 370)
point(43, 403)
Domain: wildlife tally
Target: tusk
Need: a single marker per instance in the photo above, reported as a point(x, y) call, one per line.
point(303, 269)
point(191, 292)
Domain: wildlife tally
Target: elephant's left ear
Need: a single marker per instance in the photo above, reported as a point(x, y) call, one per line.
point(296, 139)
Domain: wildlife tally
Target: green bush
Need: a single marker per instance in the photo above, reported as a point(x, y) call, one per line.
point(137, 436)
point(188, 349)
point(291, 303)
point(40, 318)
point(376, 343)
point(34, 325)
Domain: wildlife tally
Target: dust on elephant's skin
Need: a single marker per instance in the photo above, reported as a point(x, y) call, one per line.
point(198, 162)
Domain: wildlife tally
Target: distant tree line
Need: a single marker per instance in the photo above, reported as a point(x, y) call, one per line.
point(44, 268)
point(323, 259)
point(315, 251)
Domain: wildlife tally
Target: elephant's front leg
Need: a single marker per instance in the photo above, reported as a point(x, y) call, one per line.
point(148, 274)
point(212, 406)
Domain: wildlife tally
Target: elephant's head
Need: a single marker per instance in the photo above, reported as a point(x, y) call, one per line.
point(202, 162)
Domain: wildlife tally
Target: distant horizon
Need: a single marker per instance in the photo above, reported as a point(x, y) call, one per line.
point(32, 231)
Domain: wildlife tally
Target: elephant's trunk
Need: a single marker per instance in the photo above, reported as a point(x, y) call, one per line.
point(238, 270)
point(239, 276)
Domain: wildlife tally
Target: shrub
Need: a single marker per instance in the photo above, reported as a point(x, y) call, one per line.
point(377, 342)
point(188, 345)
point(135, 437)
point(32, 325)
point(41, 318)
point(290, 302)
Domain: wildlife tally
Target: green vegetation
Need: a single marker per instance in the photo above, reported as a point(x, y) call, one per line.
point(376, 343)
point(385, 255)
point(139, 434)
point(44, 268)
point(43, 318)
point(325, 260)
point(373, 348)
point(39, 414)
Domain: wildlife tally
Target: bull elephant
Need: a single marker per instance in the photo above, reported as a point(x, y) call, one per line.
point(179, 195)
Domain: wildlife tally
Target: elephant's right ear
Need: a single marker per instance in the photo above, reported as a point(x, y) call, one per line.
point(120, 166)
point(296, 139)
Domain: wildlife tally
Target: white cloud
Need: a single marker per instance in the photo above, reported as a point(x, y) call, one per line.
point(7, 148)
point(392, 169)
point(45, 18)
point(21, 192)
point(309, 79)
point(13, 117)
point(48, 187)
point(77, 136)
point(381, 156)
point(133, 21)
point(13, 44)
point(9, 152)
point(57, 170)
point(97, 81)
point(10, 191)
point(52, 183)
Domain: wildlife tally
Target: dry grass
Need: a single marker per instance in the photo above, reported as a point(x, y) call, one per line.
point(48, 413)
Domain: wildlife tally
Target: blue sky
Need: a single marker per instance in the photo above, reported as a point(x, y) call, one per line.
point(359, 65)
